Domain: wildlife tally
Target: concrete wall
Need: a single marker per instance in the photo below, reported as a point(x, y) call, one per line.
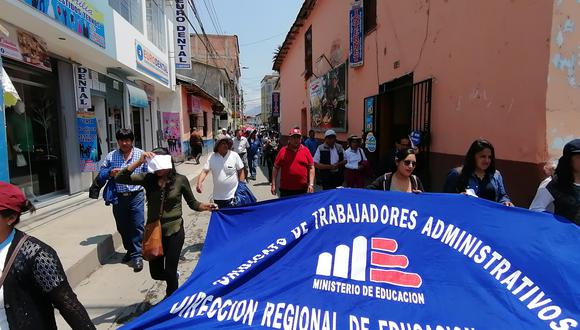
point(487, 81)
point(563, 100)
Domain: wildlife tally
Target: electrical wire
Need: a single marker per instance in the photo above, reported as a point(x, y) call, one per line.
point(262, 40)
point(426, 34)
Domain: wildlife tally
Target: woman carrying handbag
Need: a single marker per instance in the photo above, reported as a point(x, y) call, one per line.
point(164, 234)
point(33, 281)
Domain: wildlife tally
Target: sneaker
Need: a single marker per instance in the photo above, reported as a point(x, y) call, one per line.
point(137, 265)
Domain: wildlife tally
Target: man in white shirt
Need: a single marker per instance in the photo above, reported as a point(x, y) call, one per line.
point(227, 170)
point(329, 160)
point(241, 146)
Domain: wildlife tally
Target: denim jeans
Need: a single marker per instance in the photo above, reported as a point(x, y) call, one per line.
point(165, 268)
point(130, 218)
point(253, 164)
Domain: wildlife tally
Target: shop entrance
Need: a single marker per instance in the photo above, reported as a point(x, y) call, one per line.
point(32, 131)
point(137, 127)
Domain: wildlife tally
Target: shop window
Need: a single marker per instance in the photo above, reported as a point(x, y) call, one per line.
point(370, 15)
point(308, 53)
point(131, 10)
point(33, 132)
point(156, 23)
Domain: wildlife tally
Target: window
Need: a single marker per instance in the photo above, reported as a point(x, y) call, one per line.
point(308, 53)
point(370, 15)
point(130, 10)
point(156, 23)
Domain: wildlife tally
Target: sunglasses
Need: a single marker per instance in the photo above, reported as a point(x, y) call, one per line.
point(410, 163)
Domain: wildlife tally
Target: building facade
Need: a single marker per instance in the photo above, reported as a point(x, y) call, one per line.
point(80, 71)
point(513, 81)
point(269, 85)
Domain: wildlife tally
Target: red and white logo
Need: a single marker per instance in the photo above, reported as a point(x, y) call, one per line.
point(351, 262)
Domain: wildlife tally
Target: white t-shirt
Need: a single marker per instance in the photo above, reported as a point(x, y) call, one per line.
point(225, 174)
point(353, 158)
point(543, 201)
point(3, 255)
point(241, 145)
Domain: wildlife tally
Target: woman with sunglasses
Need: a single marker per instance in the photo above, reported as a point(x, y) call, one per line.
point(402, 179)
point(478, 176)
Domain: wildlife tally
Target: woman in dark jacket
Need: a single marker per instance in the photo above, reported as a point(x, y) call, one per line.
point(402, 179)
point(478, 175)
point(36, 282)
point(165, 186)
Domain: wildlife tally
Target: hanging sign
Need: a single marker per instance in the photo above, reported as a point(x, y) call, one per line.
point(182, 50)
point(356, 35)
point(150, 64)
point(275, 104)
point(83, 89)
point(371, 142)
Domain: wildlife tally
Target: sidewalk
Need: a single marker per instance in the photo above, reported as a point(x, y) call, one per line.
point(82, 230)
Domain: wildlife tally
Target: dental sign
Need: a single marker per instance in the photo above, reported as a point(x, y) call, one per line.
point(182, 48)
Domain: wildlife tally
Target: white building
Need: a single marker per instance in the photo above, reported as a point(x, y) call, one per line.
point(119, 49)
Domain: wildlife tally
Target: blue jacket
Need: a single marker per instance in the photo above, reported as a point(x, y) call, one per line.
point(244, 195)
point(110, 190)
point(254, 147)
point(312, 145)
point(478, 186)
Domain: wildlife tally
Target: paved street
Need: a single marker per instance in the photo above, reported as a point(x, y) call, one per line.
point(114, 294)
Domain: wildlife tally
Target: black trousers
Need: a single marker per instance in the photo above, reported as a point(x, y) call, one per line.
point(165, 268)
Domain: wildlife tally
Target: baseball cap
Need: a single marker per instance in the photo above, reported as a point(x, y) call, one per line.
point(572, 147)
point(11, 197)
point(329, 132)
point(295, 131)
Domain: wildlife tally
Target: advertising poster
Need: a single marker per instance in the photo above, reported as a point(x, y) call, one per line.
point(77, 15)
point(369, 107)
point(328, 100)
point(88, 146)
point(150, 64)
point(356, 35)
point(172, 132)
point(25, 47)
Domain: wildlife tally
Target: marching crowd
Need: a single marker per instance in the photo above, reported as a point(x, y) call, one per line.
point(33, 280)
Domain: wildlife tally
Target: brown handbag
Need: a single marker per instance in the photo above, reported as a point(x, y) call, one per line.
point(152, 238)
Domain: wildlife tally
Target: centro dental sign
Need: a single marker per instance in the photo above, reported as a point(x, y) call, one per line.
point(182, 51)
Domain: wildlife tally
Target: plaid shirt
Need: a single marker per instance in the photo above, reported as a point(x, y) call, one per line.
point(115, 159)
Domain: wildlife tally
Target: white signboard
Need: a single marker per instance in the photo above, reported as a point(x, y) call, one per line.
point(182, 50)
point(83, 88)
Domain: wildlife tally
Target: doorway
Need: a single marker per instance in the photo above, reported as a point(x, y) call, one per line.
point(137, 127)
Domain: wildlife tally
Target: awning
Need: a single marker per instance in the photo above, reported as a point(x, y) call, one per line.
point(10, 94)
point(137, 97)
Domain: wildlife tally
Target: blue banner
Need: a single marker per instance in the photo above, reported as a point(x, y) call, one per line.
point(359, 259)
point(88, 145)
point(356, 35)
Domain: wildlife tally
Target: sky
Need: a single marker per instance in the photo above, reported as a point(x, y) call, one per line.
point(261, 26)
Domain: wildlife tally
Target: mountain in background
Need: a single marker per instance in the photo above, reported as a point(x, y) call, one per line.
point(253, 111)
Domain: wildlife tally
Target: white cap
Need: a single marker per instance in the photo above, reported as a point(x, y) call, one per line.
point(329, 133)
point(160, 162)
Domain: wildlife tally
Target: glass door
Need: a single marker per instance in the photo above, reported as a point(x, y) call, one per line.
point(34, 157)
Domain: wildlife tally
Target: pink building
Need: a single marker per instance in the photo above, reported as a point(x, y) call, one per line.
point(454, 70)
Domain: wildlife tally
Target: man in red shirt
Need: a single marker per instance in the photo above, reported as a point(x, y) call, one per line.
point(296, 165)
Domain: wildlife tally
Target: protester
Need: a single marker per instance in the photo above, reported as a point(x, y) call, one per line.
point(227, 170)
point(478, 176)
point(271, 151)
point(241, 146)
point(35, 281)
point(296, 166)
point(549, 169)
point(196, 145)
point(402, 179)
point(329, 160)
point(311, 143)
point(355, 168)
point(164, 188)
point(253, 153)
point(402, 142)
point(562, 193)
point(129, 210)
